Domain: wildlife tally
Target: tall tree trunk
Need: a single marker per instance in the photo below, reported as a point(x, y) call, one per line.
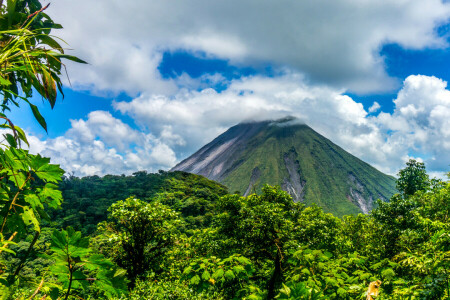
point(276, 276)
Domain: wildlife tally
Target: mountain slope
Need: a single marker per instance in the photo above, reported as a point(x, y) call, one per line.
point(304, 163)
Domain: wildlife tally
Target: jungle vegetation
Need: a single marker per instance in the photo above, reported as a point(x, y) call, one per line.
point(182, 236)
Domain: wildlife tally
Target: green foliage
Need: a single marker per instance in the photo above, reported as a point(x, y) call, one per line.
point(227, 276)
point(86, 200)
point(138, 235)
point(299, 290)
point(266, 246)
point(345, 277)
point(153, 289)
point(31, 60)
point(260, 227)
point(413, 178)
point(317, 229)
point(29, 55)
point(77, 267)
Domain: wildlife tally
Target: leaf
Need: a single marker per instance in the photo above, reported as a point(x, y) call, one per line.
point(46, 171)
point(18, 178)
point(59, 239)
point(34, 201)
point(4, 81)
point(47, 40)
point(120, 273)
point(70, 57)
point(11, 140)
point(38, 116)
point(16, 159)
point(218, 273)
point(206, 275)
point(29, 218)
point(7, 250)
point(229, 275)
point(21, 135)
point(49, 88)
point(51, 193)
point(195, 280)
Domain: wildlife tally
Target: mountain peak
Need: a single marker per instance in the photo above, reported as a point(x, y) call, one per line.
point(289, 153)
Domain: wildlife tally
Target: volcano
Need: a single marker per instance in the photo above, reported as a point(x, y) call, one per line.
point(311, 168)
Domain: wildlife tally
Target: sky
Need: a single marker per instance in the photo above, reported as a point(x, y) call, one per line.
point(164, 77)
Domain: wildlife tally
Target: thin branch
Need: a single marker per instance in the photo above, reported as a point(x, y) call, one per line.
point(9, 240)
point(38, 288)
point(14, 200)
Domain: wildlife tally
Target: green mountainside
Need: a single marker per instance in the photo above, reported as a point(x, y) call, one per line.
point(304, 163)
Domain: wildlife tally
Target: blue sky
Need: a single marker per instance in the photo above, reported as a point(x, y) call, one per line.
point(162, 82)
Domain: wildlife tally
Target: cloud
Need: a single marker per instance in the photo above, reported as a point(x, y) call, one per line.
point(103, 125)
point(421, 119)
point(172, 128)
point(419, 123)
point(104, 145)
point(375, 107)
point(335, 42)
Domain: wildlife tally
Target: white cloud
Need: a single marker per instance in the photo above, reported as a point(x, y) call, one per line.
point(421, 119)
point(385, 141)
point(174, 127)
point(104, 145)
point(335, 42)
point(375, 107)
point(103, 125)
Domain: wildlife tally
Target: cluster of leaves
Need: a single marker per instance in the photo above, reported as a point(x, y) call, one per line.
point(30, 60)
point(139, 234)
point(78, 268)
point(227, 276)
point(30, 56)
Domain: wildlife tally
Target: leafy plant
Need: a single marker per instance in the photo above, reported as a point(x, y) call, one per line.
point(77, 267)
point(138, 235)
point(299, 290)
point(227, 275)
point(31, 60)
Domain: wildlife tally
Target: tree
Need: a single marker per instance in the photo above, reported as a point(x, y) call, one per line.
point(138, 234)
point(260, 227)
point(413, 178)
point(31, 60)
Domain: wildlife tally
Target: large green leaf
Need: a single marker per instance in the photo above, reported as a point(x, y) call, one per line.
point(46, 171)
point(59, 239)
point(29, 218)
point(51, 195)
point(34, 201)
